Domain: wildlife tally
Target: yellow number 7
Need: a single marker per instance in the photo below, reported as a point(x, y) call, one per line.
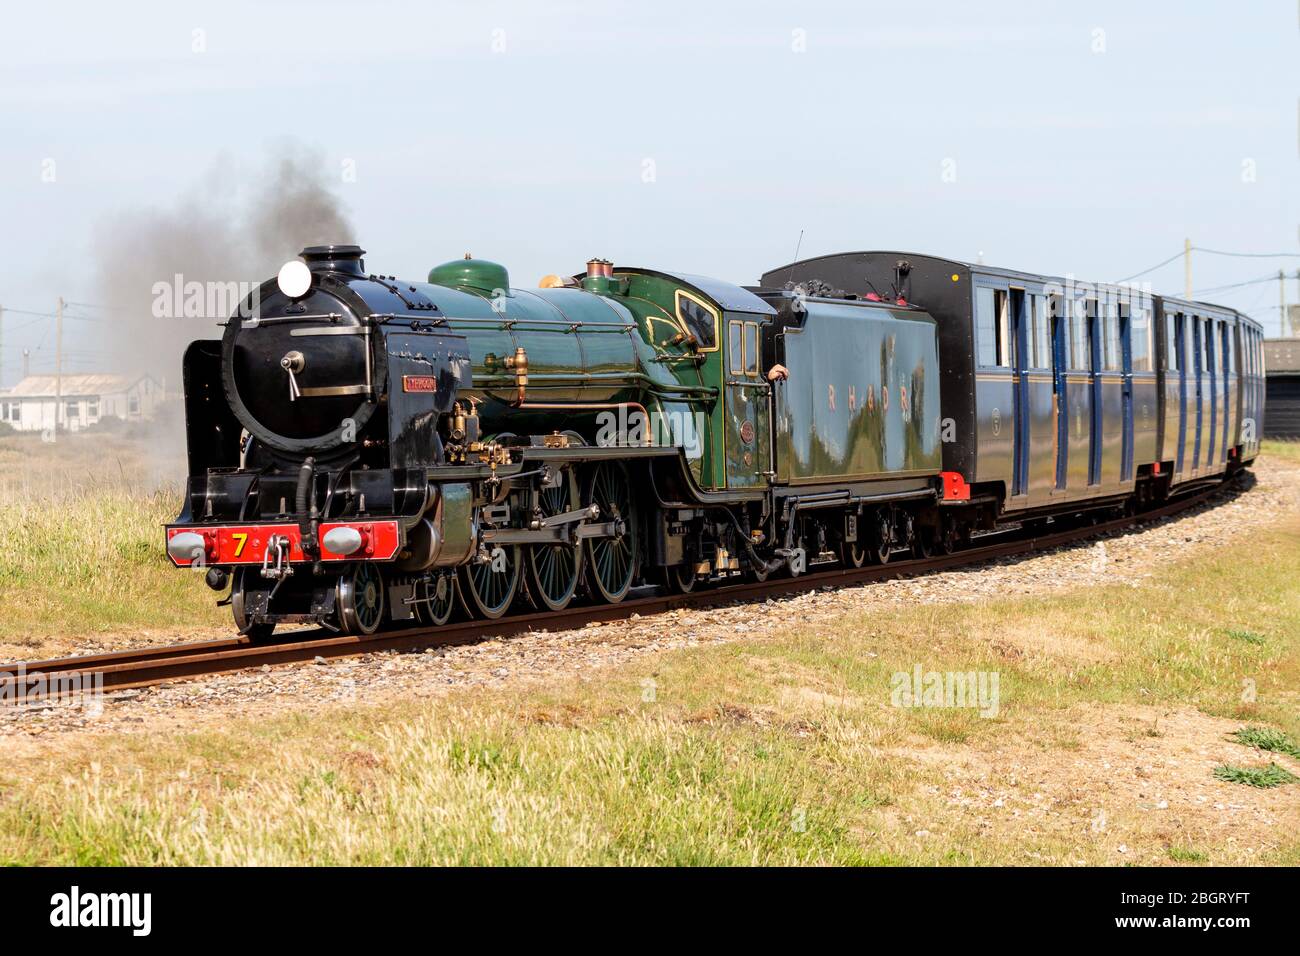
point(242, 538)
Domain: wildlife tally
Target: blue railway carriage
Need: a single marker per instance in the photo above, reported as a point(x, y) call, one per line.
point(1057, 393)
point(1209, 384)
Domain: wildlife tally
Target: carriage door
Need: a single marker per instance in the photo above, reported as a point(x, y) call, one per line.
point(1060, 407)
point(1020, 392)
point(1211, 391)
point(1198, 367)
point(1093, 318)
point(1226, 375)
point(1126, 389)
point(1180, 353)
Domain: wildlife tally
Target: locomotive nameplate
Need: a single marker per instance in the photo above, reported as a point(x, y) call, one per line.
point(419, 383)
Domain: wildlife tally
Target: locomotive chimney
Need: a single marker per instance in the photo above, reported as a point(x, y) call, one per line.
point(335, 258)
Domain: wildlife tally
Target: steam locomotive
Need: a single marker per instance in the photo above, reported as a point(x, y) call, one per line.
point(365, 451)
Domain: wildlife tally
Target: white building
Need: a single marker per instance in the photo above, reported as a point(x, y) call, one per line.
point(31, 405)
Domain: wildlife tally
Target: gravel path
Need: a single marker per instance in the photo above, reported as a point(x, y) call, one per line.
point(545, 656)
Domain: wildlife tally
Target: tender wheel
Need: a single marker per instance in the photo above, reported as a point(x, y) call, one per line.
point(853, 554)
point(255, 632)
point(611, 562)
point(554, 569)
point(488, 588)
point(435, 598)
point(922, 541)
point(882, 535)
point(360, 598)
point(949, 535)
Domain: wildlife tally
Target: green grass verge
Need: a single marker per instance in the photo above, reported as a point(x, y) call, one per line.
point(1267, 738)
point(1264, 777)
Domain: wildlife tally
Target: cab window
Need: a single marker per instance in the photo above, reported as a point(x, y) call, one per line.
point(751, 348)
point(735, 348)
point(698, 319)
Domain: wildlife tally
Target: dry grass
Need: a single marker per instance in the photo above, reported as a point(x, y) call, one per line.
point(82, 520)
point(1276, 448)
point(776, 750)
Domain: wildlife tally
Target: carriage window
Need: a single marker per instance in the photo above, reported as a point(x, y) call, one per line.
point(735, 348)
point(698, 319)
point(1080, 353)
point(1140, 340)
point(1171, 343)
point(986, 336)
point(751, 348)
point(1005, 354)
point(1111, 358)
point(992, 328)
point(1078, 334)
point(1040, 332)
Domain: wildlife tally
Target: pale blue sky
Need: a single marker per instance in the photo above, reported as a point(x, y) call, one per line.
point(1067, 160)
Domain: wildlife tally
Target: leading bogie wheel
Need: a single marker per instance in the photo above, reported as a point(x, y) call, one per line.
point(359, 596)
point(487, 588)
point(611, 562)
point(254, 632)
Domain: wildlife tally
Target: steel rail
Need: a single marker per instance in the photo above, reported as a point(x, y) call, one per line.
point(23, 682)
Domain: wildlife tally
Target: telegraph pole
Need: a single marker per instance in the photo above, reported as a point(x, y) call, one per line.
point(58, 368)
point(1187, 268)
point(1285, 325)
point(1289, 325)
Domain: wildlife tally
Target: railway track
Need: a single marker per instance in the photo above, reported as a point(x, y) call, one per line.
point(34, 681)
